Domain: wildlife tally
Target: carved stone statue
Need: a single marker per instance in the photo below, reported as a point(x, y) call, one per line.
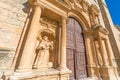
point(43, 49)
point(99, 57)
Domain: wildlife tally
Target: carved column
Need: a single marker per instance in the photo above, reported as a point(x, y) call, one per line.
point(28, 50)
point(91, 54)
point(62, 65)
point(109, 51)
point(59, 48)
point(103, 52)
point(89, 47)
point(111, 57)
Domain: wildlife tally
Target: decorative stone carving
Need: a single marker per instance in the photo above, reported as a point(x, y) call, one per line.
point(85, 5)
point(76, 4)
point(70, 3)
point(43, 50)
point(94, 15)
point(99, 57)
point(46, 20)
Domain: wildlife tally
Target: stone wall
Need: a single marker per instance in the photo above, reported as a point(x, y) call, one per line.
point(110, 27)
point(117, 36)
point(117, 32)
point(13, 14)
point(112, 31)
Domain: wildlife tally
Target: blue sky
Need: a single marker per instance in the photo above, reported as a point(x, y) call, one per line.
point(114, 9)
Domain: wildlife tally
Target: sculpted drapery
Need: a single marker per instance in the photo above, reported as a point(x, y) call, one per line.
point(43, 53)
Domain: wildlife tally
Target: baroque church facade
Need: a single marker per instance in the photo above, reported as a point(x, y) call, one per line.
point(58, 40)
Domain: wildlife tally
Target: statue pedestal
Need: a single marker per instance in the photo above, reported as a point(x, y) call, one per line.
point(44, 68)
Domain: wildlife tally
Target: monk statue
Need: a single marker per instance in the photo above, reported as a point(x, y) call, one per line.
point(43, 49)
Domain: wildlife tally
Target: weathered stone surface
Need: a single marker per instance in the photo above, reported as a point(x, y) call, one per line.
point(12, 21)
point(50, 18)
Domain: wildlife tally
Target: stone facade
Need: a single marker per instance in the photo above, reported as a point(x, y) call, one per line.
point(117, 31)
point(113, 32)
point(12, 21)
point(117, 36)
point(33, 39)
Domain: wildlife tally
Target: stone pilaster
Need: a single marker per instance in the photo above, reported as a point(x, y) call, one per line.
point(59, 48)
point(103, 52)
point(28, 50)
point(109, 51)
point(62, 65)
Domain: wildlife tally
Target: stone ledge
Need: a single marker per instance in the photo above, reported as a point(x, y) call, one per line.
point(33, 74)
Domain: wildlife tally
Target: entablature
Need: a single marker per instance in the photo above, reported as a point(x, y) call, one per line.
point(56, 9)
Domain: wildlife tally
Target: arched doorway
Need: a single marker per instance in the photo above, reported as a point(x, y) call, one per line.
point(76, 60)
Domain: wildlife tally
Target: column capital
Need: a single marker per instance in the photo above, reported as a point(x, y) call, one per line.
point(64, 22)
point(35, 3)
point(87, 32)
point(65, 17)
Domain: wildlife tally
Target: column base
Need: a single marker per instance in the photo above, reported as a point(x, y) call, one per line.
point(108, 73)
point(63, 68)
point(93, 71)
point(65, 75)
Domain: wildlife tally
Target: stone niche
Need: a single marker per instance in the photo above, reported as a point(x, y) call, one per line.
point(47, 30)
point(44, 68)
point(45, 50)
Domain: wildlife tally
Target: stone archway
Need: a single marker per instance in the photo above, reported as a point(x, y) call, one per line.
point(76, 59)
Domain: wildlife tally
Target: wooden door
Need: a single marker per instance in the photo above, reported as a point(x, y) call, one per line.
point(76, 60)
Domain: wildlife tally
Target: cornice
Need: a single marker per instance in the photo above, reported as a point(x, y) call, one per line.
point(100, 29)
point(49, 5)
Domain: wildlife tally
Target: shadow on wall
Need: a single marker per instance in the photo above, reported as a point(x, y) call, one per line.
point(26, 7)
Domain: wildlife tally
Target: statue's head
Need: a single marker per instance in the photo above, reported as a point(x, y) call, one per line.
point(45, 38)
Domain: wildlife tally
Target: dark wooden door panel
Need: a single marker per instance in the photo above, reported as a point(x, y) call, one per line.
point(80, 65)
point(70, 62)
point(76, 60)
point(70, 35)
